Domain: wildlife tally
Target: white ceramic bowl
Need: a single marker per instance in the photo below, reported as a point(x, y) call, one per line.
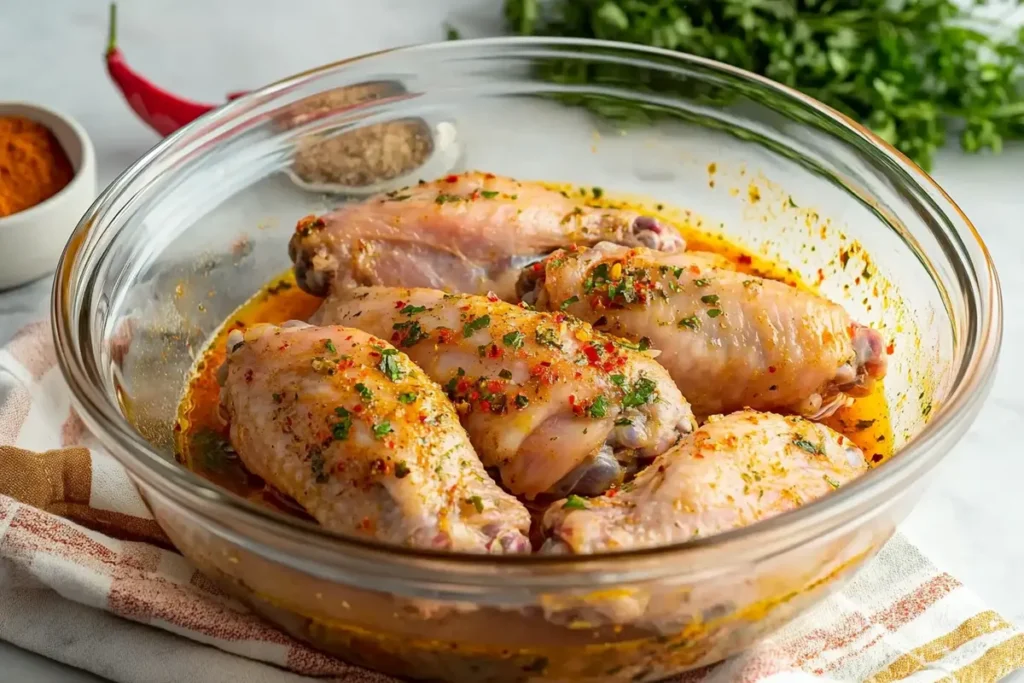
point(32, 240)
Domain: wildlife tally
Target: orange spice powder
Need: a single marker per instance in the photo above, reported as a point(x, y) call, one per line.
point(33, 165)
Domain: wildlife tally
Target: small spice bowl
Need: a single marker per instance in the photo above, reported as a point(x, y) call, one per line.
point(32, 240)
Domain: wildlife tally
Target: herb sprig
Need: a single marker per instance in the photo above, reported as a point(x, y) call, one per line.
point(906, 69)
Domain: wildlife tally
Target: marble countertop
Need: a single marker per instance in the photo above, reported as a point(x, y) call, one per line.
point(967, 521)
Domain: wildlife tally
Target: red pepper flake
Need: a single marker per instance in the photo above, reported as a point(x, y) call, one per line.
point(771, 369)
point(559, 317)
point(744, 260)
point(489, 176)
point(474, 395)
point(485, 406)
point(451, 178)
point(495, 352)
point(609, 347)
point(592, 354)
point(399, 304)
point(423, 417)
point(445, 335)
point(494, 386)
point(462, 387)
point(357, 409)
point(537, 267)
point(248, 375)
point(492, 297)
point(891, 348)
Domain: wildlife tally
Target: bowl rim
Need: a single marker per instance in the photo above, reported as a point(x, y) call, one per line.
point(915, 458)
point(77, 180)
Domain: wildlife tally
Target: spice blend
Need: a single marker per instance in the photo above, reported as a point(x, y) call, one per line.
point(33, 165)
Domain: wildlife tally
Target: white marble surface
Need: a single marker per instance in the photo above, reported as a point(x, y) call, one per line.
point(969, 519)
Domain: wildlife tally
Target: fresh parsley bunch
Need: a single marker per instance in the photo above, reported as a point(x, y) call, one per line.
point(905, 68)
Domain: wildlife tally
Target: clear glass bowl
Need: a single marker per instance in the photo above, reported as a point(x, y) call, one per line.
point(195, 227)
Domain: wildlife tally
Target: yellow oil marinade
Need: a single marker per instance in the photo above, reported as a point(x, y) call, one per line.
point(201, 435)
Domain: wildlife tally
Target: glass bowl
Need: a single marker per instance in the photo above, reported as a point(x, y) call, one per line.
point(196, 226)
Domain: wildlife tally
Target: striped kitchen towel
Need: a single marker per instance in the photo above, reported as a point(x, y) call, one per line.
point(87, 576)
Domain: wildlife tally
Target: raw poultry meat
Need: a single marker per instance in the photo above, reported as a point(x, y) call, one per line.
point(733, 471)
point(464, 233)
point(553, 405)
point(347, 426)
point(730, 340)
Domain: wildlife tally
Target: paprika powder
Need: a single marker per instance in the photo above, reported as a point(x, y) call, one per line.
point(33, 165)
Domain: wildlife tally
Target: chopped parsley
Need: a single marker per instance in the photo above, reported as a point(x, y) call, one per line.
point(547, 336)
point(624, 422)
point(343, 426)
point(690, 321)
point(412, 310)
point(443, 198)
point(477, 502)
point(569, 302)
point(329, 345)
point(476, 324)
point(642, 345)
point(364, 391)
point(702, 282)
point(505, 373)
point(599, 407)
point(488, 194)
point(831, 482)
point(598, 192)
point(381, 429)
point(453, 383)
point(389, 365)
point(407, 397)
point(710, 298)
point(805, 445)
point(401, 470)
point(600, 275)
point(522, 401)
point(618, 380)
point(641, 393)
point(514, 339)
point(714, 312)
point(409, 333)
point(574, 502)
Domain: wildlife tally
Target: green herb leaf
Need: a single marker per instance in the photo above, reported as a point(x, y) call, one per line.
point(410, 333)
point(642, 392)
point(407, 397)
point(409, 309)
point(690, 321)
point(316, 465)
point(505, 373)
point(618, 380)
point(522, 401)
point(476, 324)
point(623, 422)
point(830, 481)
point(710, 298)
point(569, 302)
point(343, 426)
point(702, 282)
point(598, 408)
point(514, 339)
point(547, 336)
point(389, 365)
point(329, 345)
point(574, 502)
point(488, 194)
point(805, 445)
point(401, 470)
point(364, 391)
point(381, 429)
point(477, 502)
point(714, 312)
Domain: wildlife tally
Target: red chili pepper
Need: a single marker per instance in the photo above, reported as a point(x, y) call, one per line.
point(163, 111)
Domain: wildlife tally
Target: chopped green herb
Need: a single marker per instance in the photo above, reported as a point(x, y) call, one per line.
point(714, 312)
point(514, 339)
point(569, 302)
point(443, 198)
point(329, 345)
point(401, 470)
point(641, 393)
point(412, 310)
point(710, 298)
point(702, 282)
point(831, 482)
point(451, 33)
point(522, 401)
point(623, 422)
point(488, 194)
point(410, 333)
point(677, 271)
point(398, 197)
point(389, 364)
point(381, 429)
point(547, 336)
point(643, 344)
point(476, 324)
point(477, 502)
point(574, 502)
point(505, 373)
point(364, 391)
point(407, 397)
point(805, 445)
point(343, 426)
point(618, 380)
point(691, 321)
point(599, 407)
point(792, 204)
point(598, 192)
